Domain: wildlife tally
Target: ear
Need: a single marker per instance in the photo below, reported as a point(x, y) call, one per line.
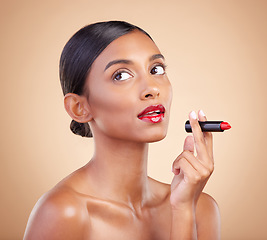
point(77, 107)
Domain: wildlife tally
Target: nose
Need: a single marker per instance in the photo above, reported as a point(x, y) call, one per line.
point(150, 91)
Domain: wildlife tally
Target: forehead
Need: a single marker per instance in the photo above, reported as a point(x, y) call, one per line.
point(133, 46)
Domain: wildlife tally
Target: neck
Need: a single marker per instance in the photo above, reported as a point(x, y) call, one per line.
point(119, 169)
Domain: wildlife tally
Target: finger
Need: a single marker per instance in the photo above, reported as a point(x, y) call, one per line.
point(189, 144)
point(201, 116)
point(184, 167)
point(207, 135)
point(176, 181)
point(202, 169)
point(200, 142)
point(205, 170)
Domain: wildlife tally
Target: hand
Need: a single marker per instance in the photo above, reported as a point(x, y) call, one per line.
point(192, 172)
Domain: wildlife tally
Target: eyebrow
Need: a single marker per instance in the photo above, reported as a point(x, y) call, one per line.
point(125, 61)
point(156, 56)
point(117, 62)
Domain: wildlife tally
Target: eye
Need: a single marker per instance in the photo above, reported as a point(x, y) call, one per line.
point(122, 76)
point(159, 70)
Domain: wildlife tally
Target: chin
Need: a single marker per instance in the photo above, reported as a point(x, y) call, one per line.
point(152, 134)
point(156, 137)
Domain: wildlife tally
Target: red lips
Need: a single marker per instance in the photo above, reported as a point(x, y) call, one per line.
point(153, 114)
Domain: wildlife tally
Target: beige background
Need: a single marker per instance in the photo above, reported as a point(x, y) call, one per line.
point(216, 53)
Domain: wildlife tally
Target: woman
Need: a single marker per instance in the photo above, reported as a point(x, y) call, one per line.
point(113, 77)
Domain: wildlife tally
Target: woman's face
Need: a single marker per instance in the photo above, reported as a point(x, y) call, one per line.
point(129, 91)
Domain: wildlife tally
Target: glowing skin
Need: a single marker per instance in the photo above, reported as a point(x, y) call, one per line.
point(116, 100)
point(127, 103)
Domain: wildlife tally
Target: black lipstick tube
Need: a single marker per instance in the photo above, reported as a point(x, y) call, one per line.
point(208, 126)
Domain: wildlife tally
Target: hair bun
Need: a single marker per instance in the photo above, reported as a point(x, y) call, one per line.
point(82, 129)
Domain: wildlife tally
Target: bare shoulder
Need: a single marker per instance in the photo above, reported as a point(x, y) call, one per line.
point(58, 214)
point(207, 206)
point(208, 217)
point(160, 189)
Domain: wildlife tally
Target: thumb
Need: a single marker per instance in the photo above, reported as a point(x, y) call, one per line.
point(189, 144)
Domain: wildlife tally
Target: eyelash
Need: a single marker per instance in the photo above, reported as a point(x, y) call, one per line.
point(164, 66)
point(119, 72)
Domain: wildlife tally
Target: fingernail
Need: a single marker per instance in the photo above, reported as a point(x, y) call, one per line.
point(193, 115)
point(202, 113)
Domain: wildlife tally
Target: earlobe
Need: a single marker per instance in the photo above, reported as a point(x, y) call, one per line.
point(77, 107)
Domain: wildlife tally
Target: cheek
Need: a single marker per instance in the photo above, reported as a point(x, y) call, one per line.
point(112, 110)
point(170, 94)
point(106, 106)
point(167, 92)
point(109, 101)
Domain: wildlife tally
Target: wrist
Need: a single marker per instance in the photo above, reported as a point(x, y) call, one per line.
point(184, 214)
point(183, 222)
point(184, 207)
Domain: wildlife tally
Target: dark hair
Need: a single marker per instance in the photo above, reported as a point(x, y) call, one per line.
point(79, 54)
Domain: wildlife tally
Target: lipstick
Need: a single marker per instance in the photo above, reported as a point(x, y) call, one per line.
point(209, 126)
point(152, 114)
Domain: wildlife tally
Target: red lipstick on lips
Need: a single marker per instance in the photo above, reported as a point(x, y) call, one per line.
point(152, 114)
